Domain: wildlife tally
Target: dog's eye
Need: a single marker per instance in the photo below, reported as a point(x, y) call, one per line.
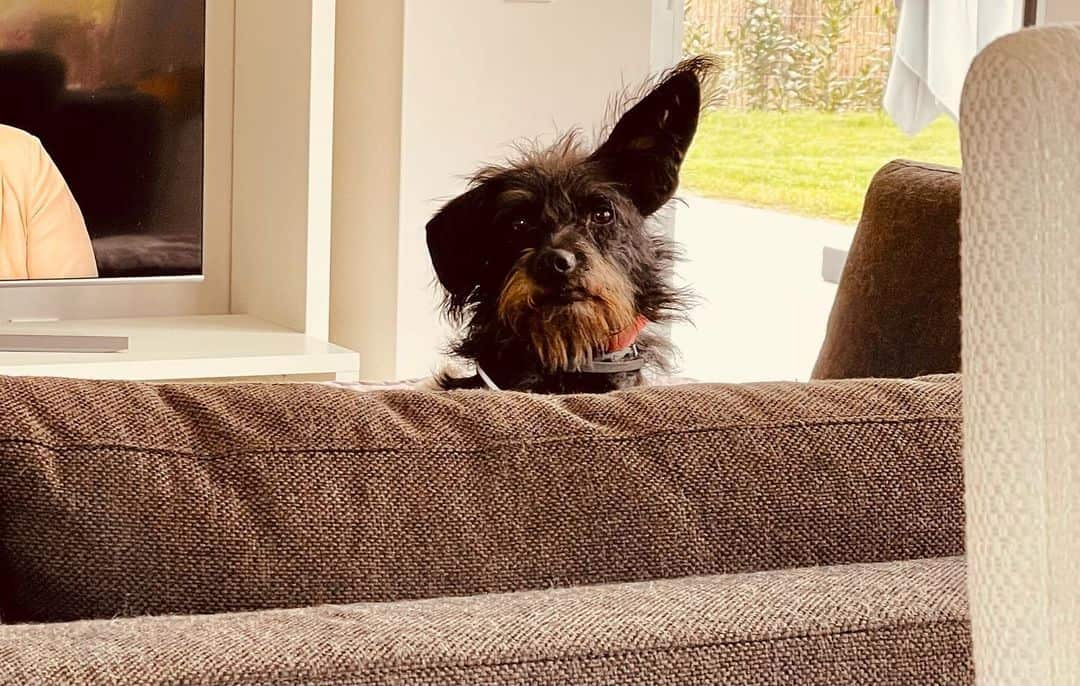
point(602, 214)
point(520, 224)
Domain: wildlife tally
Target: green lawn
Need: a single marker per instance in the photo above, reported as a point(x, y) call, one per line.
point(811, 163)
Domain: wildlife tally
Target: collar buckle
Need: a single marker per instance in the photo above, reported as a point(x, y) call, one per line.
point(625, 360)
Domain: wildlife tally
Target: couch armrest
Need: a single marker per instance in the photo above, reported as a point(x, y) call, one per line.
point(1020, 135)
point(892, 623)
point(129, 499)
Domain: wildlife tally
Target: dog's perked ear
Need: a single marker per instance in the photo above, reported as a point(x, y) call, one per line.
point(452, 236)
point(646, 148)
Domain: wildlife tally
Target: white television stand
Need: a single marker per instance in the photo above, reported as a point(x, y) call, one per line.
point(199, 347)
point(61, 343)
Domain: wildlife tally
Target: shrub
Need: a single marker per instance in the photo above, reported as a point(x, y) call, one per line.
point(698, 39)
point(778, 69)
point(767, 58)
point(697, 36)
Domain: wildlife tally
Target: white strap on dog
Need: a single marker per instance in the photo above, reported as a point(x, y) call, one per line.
point(486, 379)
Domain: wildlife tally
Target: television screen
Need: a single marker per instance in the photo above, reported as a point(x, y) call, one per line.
point(101, 138)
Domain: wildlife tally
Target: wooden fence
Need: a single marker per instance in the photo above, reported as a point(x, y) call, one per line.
point(869, 32)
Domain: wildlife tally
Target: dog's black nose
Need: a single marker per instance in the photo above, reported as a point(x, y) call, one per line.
point(557, 262)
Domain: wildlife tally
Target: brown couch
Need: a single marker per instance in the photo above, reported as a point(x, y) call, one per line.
point(897, 307)
point(302, 534)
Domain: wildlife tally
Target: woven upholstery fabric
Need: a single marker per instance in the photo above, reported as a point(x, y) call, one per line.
point(892, 623)
point(897, 307)
point(131, 499)
point(1021, 254)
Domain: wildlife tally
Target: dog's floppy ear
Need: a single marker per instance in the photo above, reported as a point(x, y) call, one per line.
point(646, 148)
point(452, 237)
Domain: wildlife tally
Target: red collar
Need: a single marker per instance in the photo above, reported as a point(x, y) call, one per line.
point(625, 338)
point(621, 340)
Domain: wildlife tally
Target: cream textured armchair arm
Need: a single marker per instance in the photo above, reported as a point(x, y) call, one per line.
point(1020, 130)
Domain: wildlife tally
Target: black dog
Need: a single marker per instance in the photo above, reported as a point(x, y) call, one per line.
point(549, 262)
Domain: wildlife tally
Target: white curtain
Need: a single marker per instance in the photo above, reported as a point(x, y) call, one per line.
point(935, 43)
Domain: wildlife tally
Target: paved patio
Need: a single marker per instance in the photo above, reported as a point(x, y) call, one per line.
point(764, 304)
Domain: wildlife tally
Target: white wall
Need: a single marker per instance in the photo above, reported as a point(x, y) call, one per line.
point(667, 32)
point(282, 167)
point(367, 160)
point(478, 75)
point(1058, 11)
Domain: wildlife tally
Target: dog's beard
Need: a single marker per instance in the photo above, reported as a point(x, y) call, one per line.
point(565, 336)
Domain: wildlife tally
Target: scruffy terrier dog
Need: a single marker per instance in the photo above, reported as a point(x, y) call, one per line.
point(550, 265)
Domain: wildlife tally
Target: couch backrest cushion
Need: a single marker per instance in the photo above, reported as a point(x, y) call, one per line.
point(897, 308)
point(125, 499)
